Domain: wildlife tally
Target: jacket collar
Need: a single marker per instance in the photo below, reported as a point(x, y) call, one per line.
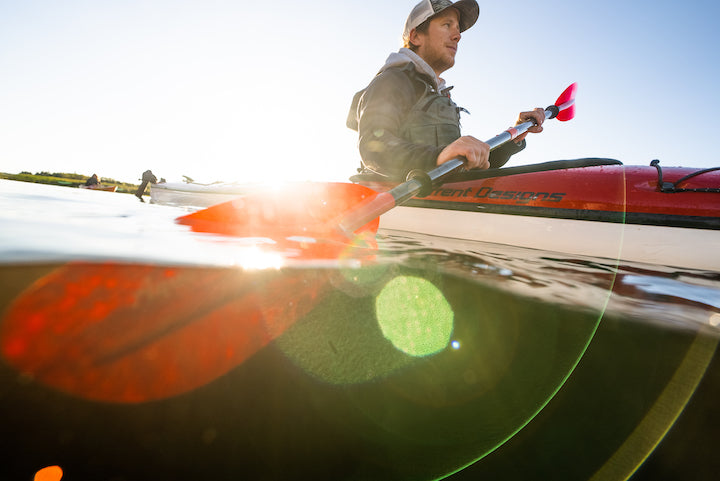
point(406, 56)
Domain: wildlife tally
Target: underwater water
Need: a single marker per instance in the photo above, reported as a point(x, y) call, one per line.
point(133, 349)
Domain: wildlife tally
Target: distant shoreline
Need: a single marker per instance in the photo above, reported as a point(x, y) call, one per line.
point(67, 180)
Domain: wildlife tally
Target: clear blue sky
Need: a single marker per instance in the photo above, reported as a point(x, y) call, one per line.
point(245, 90)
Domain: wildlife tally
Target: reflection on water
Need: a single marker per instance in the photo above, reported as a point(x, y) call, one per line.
point(680, 298)
point(431, 358)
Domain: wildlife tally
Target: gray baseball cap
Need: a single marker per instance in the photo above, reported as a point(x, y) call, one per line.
point(468, 9)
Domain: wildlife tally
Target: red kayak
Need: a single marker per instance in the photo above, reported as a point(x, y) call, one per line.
point(595, 207)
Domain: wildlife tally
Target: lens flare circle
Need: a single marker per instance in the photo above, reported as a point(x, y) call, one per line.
point(414, 316)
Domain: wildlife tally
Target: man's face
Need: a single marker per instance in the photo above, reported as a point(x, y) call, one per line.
point(439, 45)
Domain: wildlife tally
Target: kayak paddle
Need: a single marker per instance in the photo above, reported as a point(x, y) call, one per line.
point(339, 210)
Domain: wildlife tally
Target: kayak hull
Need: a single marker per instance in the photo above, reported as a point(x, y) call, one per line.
point(196, 195)
point(670, 246)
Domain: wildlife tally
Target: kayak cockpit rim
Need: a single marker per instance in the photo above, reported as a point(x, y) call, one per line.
point(370, 176)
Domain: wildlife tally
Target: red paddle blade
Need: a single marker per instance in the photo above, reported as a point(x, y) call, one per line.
point(302, 209)
point(566, 103)
point(135, 333)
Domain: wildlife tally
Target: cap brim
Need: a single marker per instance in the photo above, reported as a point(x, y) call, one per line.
point(469, 13)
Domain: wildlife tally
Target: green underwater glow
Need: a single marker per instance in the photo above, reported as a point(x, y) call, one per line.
point(414, 316)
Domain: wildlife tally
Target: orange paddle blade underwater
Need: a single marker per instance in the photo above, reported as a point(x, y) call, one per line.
point(135, 333)
point(308, 209)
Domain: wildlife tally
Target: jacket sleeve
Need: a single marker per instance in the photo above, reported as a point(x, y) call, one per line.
point(381, 112)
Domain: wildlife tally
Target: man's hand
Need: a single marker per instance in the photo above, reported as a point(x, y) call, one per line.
point(476, 152)
point(537, 116)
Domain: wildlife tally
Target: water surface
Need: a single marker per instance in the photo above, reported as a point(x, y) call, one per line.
point(133, 348)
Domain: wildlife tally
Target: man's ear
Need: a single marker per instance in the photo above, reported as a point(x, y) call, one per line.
point(415, 38)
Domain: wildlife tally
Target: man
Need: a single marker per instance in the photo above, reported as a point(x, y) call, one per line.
point(92, 181)
point(147, 178)
point(405, 117)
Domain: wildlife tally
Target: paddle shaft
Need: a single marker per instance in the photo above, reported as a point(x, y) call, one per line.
point(421, 183)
